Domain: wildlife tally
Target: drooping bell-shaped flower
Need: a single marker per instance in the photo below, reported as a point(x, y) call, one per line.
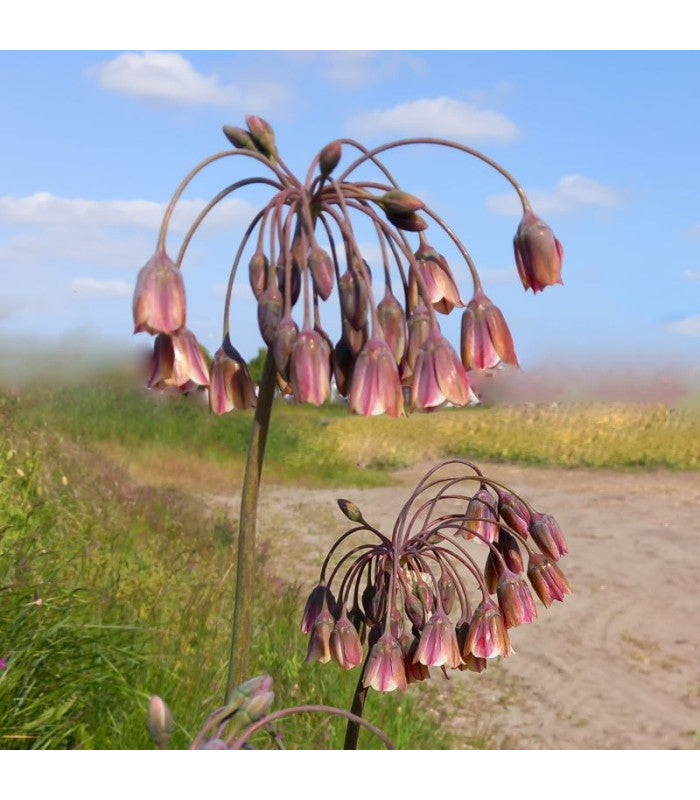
point(230, 385)
point(439, 283)
point(159, 296)
point(481, 518)
point(376, 387)
point(346, 647)
point(321, 268)
point(514, 512)
point(270, 310)
point(515, 599)
point(385, 670)
point(487, 637)
point(178, 360)
point(309, 371)
point(393, 322)
point(538, 253)
point(547, 579)
point(438, 643)
point(415, 671)
point(486, 341)
point(353, 294)
point(320, 641)
point(418, 328)
point(314, 605)
point(438, 376)
point(285, 337)
point(547, 535)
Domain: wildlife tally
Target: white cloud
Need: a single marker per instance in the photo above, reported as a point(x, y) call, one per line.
point(439, 116)
point(688, 326)
point(569, 193)
point(692, 274)
point(91, 287)
point(43, 208)
point(352, 69)
point(169, 77)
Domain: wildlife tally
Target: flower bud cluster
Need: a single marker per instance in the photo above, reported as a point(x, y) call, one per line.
point(420, 598)
point(307, 253)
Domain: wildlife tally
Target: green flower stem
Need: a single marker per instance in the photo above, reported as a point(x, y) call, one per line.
point(245, 567)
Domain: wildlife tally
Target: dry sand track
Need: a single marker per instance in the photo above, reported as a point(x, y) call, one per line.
point(617, 665)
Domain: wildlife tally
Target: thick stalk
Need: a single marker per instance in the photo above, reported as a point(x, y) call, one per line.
point(245, 567)
point(352, 732)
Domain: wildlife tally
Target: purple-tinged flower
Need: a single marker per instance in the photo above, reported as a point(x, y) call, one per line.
point(547, 535)
point(159, 296)
point(538, 253)
point(486, 340)
point(230, 384)
point(438, 376)
point(415, 610)
point(319, 643)
point(385, 670)
point(270, 308)
point(418, 332)
point(257, 272)
point(481, 518)
point(415, 671)
point(515, 599)
point(321, 268)
point(509, 549)
point(547, 579)
point(469, 660)
point(352, 291)
point(514, 512)
point(329, 157)
point(178, 360)
point(376, 387)
point(492, 570)
point(438, 643)
point(262, 134)
point(393, 322)
point(285, 337)
point(438, 280)
point(487, 637)
point(3, 664)
point(314, 606)
point(448, 592)
point(346, 647)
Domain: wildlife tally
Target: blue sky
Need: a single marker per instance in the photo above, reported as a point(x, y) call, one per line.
point(605, 144)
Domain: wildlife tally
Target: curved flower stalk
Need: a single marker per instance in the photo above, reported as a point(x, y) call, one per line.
point(444, 589)
point(303, 253)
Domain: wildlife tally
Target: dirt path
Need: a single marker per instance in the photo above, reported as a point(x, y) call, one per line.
point(617, 665)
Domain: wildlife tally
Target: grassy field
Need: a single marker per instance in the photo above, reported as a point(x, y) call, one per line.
point(111, 592)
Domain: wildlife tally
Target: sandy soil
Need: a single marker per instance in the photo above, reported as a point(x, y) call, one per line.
point(617, 665)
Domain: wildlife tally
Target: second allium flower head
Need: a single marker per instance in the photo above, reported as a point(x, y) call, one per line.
point(304, 245)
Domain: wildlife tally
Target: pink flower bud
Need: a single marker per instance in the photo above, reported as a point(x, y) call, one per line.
point(547, 579)
point(397, 201)
point(321, 268)
point(376, 387)
point(310, 369)
point(514, 512)
point(351, 511)
point(257, 271)
point(438, 643)
point(178, 360)
point(438, 376)
point(481, 518)
point(487, 637)
point(353, 298)
point(262, 134)
point(508, 546)
point(407, 222)
point(159, 296)
point(346, 647)
point(285, 337)
point(230, 385)
point(515, 600)
point(448, 593)
point(393, 322)
point(418, 333)
point(547, 535)
point(538, 254)
point(486, 340)
point(385, 670)
point(270, 305)
point(239, 138)
point(329, 157)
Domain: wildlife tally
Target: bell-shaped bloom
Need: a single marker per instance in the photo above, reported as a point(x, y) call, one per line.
point(439, 285)
point(321, 268)
point(438, 643)
point(270, 308)
point(547, 535)
point(486, 340)
point(547, 579)
point(353, 294)
point(230, 384)
point(481, 518)
point(285, 337)
point(515, 599)
point(487, 637)
point(469, 660)
point(393, 322)
point(514, 512)
point(509, 549)
point(376, 387)
point(438, 376)
point(343, 366)
point(492, 571)
point(418, 332)
point(159, 296)
point(346, 647)
point(310, 369)
point(320, 641)
point(385, 669)
point(314, 606)
point(178, 360)
point(538, 253)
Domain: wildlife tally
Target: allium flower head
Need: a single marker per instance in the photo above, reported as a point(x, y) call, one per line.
point(486, 341)
point(159, 296)
point(538, 254)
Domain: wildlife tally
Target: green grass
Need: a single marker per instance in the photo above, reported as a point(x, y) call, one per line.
point(111, 592)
